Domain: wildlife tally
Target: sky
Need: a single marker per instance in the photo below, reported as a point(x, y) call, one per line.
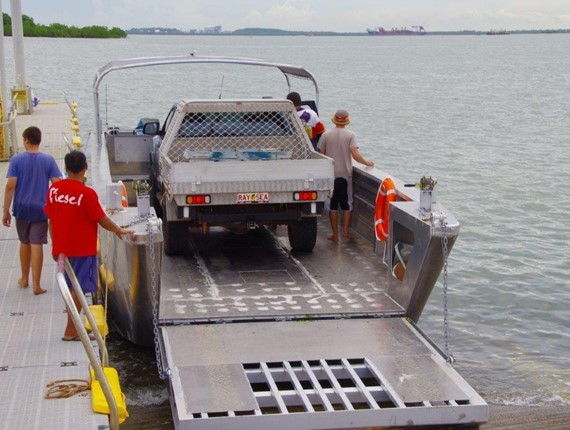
point(303, 15)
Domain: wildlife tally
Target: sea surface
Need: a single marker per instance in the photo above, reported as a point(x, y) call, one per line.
point(487, 116)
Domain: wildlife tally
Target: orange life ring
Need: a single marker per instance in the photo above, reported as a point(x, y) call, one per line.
point(386, 195)
point(124, 198)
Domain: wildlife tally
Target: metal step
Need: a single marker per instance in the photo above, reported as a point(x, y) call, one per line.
point(312, 375)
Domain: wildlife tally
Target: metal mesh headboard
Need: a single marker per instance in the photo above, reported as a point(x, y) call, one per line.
point(227, 129)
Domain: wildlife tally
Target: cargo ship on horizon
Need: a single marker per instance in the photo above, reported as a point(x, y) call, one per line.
point(417, 30)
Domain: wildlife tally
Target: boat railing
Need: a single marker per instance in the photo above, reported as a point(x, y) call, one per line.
point(64, 266)
point(419, 235)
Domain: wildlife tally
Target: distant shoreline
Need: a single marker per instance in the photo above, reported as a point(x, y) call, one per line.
point(158, 31)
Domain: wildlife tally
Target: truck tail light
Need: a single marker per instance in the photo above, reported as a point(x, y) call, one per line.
point(198, 199)
point(305, 196)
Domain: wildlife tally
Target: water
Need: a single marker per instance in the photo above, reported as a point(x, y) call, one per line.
point(487, 116)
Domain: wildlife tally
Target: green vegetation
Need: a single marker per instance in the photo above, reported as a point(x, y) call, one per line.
point(31, 29)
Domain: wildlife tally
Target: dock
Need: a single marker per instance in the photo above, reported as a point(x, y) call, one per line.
point(32, 354)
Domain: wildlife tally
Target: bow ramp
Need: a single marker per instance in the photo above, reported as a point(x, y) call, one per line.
point(255, 337)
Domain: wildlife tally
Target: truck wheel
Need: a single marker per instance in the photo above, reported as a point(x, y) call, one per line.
point(303, 234)
point(175, 236)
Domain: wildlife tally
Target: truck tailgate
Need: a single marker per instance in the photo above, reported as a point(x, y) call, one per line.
point(239, 176)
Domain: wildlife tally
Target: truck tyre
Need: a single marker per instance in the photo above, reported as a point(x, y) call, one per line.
point(175, 234)
point(303, 234)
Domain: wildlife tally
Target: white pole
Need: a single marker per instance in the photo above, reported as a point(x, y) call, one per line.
point(18, 39)
point(22, 91)
point(3, 70)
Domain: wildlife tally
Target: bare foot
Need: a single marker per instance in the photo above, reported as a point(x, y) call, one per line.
point(348, 236)
point(22, 284)
point(38, 291)
point(333, 239)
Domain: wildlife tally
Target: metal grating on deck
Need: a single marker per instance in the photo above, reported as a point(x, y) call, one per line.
point(344, 384)
point(316, 386)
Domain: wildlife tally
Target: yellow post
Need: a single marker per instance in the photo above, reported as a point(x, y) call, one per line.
point(76, 139)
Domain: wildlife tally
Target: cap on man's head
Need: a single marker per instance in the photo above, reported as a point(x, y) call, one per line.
point(341, 117)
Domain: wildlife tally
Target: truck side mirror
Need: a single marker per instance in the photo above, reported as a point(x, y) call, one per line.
point(151, 128)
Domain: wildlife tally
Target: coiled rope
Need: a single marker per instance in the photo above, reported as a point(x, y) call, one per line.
point(65, 388)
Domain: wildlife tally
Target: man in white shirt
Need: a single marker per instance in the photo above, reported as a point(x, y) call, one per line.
point(313, 125)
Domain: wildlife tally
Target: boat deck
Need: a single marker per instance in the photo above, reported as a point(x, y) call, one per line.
point(253, 276)
point(31, 351)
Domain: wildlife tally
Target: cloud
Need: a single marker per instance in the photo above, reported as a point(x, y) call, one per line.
point(317, 15)
point(290, 15)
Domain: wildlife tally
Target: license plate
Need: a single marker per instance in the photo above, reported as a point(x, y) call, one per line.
point(253, 198)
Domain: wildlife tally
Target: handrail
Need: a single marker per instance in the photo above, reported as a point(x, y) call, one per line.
point(88, 313)
point(63, 265)
point(288, 71)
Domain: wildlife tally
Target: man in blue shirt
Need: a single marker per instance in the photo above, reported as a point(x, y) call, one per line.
point(28, 178)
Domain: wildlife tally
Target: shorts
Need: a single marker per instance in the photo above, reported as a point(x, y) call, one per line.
point(85, 269)
point(32, 232)
point(342, 194)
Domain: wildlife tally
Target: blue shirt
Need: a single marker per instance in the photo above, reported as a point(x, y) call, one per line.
point(33, 171)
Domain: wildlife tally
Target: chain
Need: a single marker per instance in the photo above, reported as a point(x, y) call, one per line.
point(137, 220)
point(162, 372)
point(444, 242)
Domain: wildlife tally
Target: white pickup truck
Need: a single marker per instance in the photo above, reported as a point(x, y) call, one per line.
point(233, 163)
point(239, 164)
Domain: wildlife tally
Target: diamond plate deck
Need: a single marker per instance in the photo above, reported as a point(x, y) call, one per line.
point(254, 276)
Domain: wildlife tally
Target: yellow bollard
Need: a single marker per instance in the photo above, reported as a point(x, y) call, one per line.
point(98, 312)
point(99, 402)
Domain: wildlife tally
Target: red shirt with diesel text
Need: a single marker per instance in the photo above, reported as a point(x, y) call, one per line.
point(74, 211)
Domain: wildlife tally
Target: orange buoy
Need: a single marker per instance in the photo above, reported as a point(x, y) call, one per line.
point(124, 198)
point(386, 195)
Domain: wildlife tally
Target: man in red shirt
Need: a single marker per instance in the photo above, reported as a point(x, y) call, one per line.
point(74, 212)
